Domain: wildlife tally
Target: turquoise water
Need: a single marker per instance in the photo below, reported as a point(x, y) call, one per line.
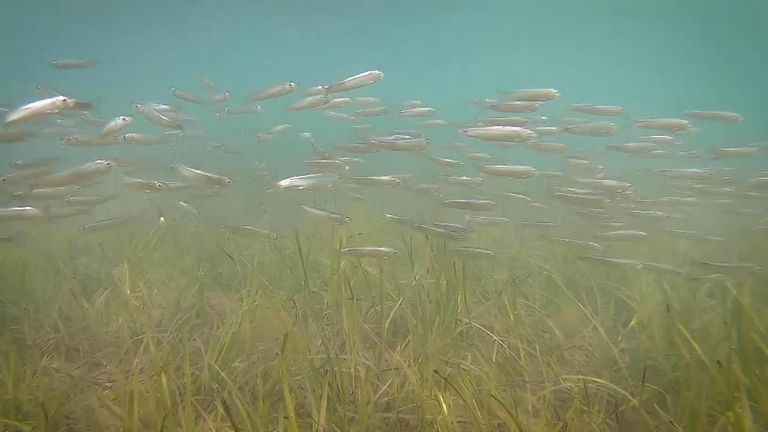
point(656, 57)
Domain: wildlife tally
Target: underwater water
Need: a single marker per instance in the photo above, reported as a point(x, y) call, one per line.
point(383, 216)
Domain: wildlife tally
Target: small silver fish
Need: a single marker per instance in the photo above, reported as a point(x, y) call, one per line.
point(471, 252)
point(201, 176)
point(14, 214)
point(116, 124)
point(470, 204)
point(251, 230)
point(369, 252)
point(105, 224)
point(508, 171)
point(719, 116)
point(74, 64)
point(592, 129)
point(597, 110)
point(356, 81)
point(500, 133)
point(623, 235)
point(277, 90)
point(309, 181)
point(185, 96)
point(328, 215)
point(310, 102)
point(534, 95)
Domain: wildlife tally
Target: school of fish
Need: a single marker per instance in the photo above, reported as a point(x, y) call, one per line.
point(486, 177)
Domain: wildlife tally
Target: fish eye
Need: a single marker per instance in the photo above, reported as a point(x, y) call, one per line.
point(347, 219)
point(275, 237)
point(228, 181)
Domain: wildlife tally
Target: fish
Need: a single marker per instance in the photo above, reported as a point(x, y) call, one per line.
point(664, 124)
point(278, 129)
point(547, 130)
point(400, 145)
point(251, 230)
point(633, 148)
point(418, 112)
point(141, 185)
point(592, 129)
point(104, 224)
point(464, 180)
point(387, 181)
point(516, 107)
point(339, 116)
point(504, 121)
point(185, 96)
point(16, 214)
point(309, 182)
point(486, 220)
point(51, 193)
point(479, 157)
point(83, 173)
point(448, 163)
point(188, 208)
point(74, 64)
point(470, 204)
point(334, 103)
point(687, 173)
point(251, 108)
point(354, 82)
point(201, 176)
point(326, 164)
point(548, 147)
point(274, 91)
point(471, 252)
point(729, 152)
point(142, 139)
point(533, 95)
point(620, 262)
point(372, 112)
point(438, 232)
point(88, 201)
point(500, 133)
point(623, 235)
point(115, 125)
point(326, 214)
point(39, 109)
point(658, 139)
point(157, 117)
point(508, 171)
point(581, 243)
point(313, 91)
point(310, 102)
point(369, 252)
point(732, 266)
point(220, 97)
point(597, 110)
point(88, 140)
point(718, 116)
point(695, 235)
